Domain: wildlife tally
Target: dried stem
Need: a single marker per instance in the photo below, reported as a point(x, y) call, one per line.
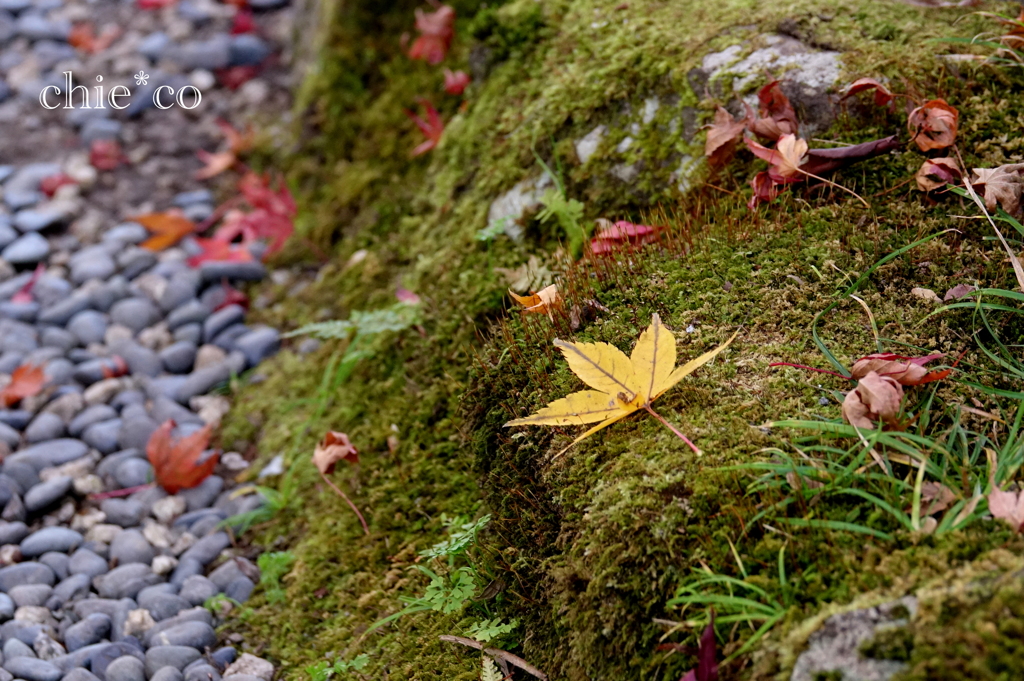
point(347, 501)
point(675, 430)
point(121, 492)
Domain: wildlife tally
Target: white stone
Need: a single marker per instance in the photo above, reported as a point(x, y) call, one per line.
point(36, 614)
point(252, 665)
point(138, 622)
point(514, 203)
point(103, 533)
point(167, 509)
point(587, 145)
point(89, 518)
point(164, 565)
point(651, 106)
point(160, 536)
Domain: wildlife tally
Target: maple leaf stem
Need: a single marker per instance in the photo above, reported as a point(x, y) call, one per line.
point(675, 430)
point(120, 492)
point(347, 501)
point(837, 186)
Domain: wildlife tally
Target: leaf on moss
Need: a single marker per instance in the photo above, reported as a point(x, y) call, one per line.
point(621, 385)
point(543, 301)
point(722, 136)
point(777, 115)
point(1007, 506)
point(882, 94)
point(784, 160)
point(334, 447)
point(904, 370)
point(933, 125)
point(936, 173)
point(875, 399)
point(1003, 187)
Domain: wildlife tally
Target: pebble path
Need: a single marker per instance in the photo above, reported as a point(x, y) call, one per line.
point(113, 588)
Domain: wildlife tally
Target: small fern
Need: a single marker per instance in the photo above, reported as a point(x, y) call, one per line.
point(490, 671)
point(488, 630)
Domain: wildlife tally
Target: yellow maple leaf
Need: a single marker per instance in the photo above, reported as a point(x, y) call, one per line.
point(543, 301)
point(622, 385)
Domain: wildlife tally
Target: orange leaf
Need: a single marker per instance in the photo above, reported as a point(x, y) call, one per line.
point(541, 302)
point(176, 463)
point(169, 228)
point(214, 164)
point(333, 448)
point(937, 172)
point(26, 381)
point(785, 160)
point(933, 125)
point(722, 136)
point(882, 94)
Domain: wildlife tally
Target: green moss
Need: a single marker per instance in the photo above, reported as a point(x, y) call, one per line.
point(590, 547)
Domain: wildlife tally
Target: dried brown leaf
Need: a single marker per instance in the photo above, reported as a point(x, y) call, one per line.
point(933, 125)
point(334, 447)
point(1003, 187)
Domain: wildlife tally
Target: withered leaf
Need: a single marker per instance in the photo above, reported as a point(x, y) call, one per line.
point(936, 173)
point(882, 94)
point(179, 464)
point(1007, 506)
point(777, 115)
point(334, 447)
point(1002, 187)
point(785, 160)
point(958, 291)
point(541, 302)
point(722, 136)
point(904, 370)
point(925, 294)
point(933, 125)
point(168, 228)
point(875, 399)
point(26, 381)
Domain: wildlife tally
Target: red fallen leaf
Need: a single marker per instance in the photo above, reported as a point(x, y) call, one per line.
point(766, 190)
point(243, 22)
point(1007, 506)
point(777, 115)
point(933, 125)
point(722, 137)
point(155, 4)
point(611, 237)
point(437, 29)
point(875, 399)
point(214, 164)
point(238, 141)
point(26, 381)
point(83, 37)
point(116, 368)
point(234, 77)
point(825, 161)
point(105, 154)
point(176, 463)
point(455, 83)
point(936, 173)
point(904, 370)
point(707, 656)
point(217, 250)
point(259, 193)
point(882, 94)
point(168, 228)
point(50, 185)
point(433, 127)
point(406, 296)
point(232, 296)
point(785, 161)
point(24, 294)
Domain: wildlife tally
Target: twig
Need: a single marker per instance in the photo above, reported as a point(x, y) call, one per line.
point(347, 501)
point(498, 654)
point(121, 492)
point(674, 430)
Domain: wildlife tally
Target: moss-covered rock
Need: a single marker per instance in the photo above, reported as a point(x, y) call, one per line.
point(606, 558)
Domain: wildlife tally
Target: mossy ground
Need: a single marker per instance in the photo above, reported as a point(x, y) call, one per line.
point(591, 547)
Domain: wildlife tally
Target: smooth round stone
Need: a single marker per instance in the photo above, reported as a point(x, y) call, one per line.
point(204, 494)
point(201, 671)
point(31, 669)
point(203, 527)
point(92, 629)
point(16, 200)
point(9, 436)
point(25, 311)
point(46, 426)
point(123, 512)
point(188, 567)
point(100, 129)
point(60, 371)
point(127, 397)
point(46, 494)
point(83, 674)
point(9, 361)
point(222, 319)
point(214, 272)
point(179, 357)
point(192, 312)
point(88, 326)
point(22, 473)
point(126, 232)
point(126, 581)
point(258, 344)
point(61, 539)
point(60, 312)
point(30, 594)
point(197, 635)
point(211, 54)
point(103, 435)
point(50, 290)
point(167, 673)
point(198, 589)
point(163, 408)
point(111, 291)
point(74, 586)
point(131, 547)
point(90, 416)
point(52, 453)
point(225, 340)
point(202, 381)
point(7, 234)
point(85, 562)
point(248, 49)
point(25, 250)
point(193, 333)
point(162, 605)
point(133, 472)
point(240, 589)
point(135, 261)
point(136, 429)
point(222, 657)
point(12, 533)
point(126, 668)
point(55, 337)
point(37, 220)
point(25, 573)
point(206, 549)
point(140, 360)
point(15, 648)
point(58, 562)
point(6, 607)
point(135, 313)
point(175, 657)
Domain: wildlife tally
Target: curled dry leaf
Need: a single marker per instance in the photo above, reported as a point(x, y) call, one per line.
point(826, 161)
point(179, 464)
point(875, 399)
point(1007, 506)
point(785, 160)
point(334, 447)
point(26, 381)
point(455, 83)
point(765, 190)
point(936, 173)
point(541, 302)
point(1002, 187)
point(933, 125)
point(611, 237)
point(904, 370)
point(777, 115)
point(437, 29)
point(925, 294)
point(882, 94)
point(958, 291)
point(722, 136)
point(168, 228)
point(622, 385)
point(707, 656)
point(937, 496)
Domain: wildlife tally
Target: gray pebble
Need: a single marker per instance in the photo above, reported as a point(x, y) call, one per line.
point(140, 360)
point(188, 567)
point(46, 494)
point(6, 607)
point(126, 668)
point(74, 586)
point(61, 539)
point(46, 426)
point(14, 648)
point(133, 472)
point(174, 657)
point(92, 629)
point(167, 673)
point(203, 494)
point(193, 333)
point(31, 669)
point(131, 547)
point(52, 453)
point(89, 416)
point(86, 562)
point(214, 272)
point(100, 129)
point(9, 435)
point(103, 436)
point(197, 635)
point(135, 313)
point(26, 250)
point(240, 589)
point(126, 232)
point(100, 266)
point(192, 312)
point(222, 319)
point(30, 594)
point(60, 312)
point(179, 357)
point(88, 326)
point(123, 512)
point(136, 427)
point(202, 381)
point(126, 581)
point(164, 408)
point(58, 562)
point(198, 589)
point(25, 573)
point(201, 672)
point(163, 605)
point(25, 475)
point(80, 674)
